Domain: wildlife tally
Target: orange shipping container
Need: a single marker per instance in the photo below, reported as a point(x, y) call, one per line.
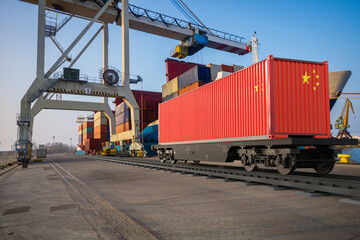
point(101, 129)
point(123, 127)
point(190, 87)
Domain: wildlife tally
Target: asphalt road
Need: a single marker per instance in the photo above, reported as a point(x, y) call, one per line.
point(72, 197)
point(175, 206)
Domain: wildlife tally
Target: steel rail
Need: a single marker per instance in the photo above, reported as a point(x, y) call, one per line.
point(348, 188)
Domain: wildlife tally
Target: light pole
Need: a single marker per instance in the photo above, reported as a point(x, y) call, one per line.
point(70, 142)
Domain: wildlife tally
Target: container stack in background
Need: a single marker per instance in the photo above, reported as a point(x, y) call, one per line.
point(183, 77)
point(101, 127)
point(80, 136)
point(148, 105)
point(87, 130)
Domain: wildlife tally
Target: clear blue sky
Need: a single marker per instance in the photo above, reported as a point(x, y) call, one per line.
point(311, 30)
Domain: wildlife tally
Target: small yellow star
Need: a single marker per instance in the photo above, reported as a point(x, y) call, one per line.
point(306, 78)
point(313, 71)
point(317, 76)
point(317, 84)
point(256, 88)
point(314, 88)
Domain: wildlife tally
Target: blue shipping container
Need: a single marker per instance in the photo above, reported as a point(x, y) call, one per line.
point(197, 73)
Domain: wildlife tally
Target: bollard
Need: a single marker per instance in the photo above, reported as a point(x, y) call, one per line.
point(344, 158)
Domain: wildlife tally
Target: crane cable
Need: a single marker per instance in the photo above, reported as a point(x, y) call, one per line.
point(182, 9)
point(192, 15)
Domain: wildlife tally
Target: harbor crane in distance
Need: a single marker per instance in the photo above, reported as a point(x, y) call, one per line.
point(47, 83)
point(342, 122)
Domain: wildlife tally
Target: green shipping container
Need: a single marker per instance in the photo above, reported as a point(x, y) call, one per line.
point(87, 130)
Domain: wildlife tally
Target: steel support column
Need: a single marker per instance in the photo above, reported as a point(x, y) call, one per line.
point(134, 108)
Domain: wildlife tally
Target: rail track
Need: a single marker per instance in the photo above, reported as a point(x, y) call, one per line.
point(349, 187)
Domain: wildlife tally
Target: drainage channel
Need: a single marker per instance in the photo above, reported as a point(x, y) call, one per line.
point(309, 184)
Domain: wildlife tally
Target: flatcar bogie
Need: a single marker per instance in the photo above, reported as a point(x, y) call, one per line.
point(284, 154)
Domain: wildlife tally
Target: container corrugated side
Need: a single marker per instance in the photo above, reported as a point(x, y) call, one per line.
point(269, 99)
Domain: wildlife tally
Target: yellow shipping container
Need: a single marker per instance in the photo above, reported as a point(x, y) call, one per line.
point(170, 87)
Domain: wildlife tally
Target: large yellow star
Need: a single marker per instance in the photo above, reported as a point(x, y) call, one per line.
point(306, 78)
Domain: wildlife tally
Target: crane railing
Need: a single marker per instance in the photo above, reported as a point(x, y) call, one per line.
point(167, 20)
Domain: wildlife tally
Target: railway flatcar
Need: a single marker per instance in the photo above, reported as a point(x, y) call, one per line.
point(274, 113)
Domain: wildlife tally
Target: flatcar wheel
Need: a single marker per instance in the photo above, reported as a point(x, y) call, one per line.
point(324, 168)
point(250, 167)
point(196, 162)
point(173, 161)
point(288, 169)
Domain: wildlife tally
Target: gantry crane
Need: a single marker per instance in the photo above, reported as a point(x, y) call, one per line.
point(342, 121)
point(104, 12)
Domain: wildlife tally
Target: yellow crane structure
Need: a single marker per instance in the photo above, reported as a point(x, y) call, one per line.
point(342, 121)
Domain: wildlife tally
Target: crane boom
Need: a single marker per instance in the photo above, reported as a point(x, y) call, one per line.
point(151, 22)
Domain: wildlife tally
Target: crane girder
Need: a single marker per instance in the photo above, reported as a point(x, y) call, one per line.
point(223, 41)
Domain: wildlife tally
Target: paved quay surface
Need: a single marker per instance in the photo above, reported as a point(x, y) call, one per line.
point(80, 198)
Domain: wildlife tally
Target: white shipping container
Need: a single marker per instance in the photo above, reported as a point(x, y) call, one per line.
point(214, 69)
point(222, 74)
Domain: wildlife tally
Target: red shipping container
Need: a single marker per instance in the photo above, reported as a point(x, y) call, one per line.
point(92, 144)
point(275, 98)
point(227, 68)
point(151, 96)
point(101, 137)
point(88, 135)
point(88, 124)
point(175, 68)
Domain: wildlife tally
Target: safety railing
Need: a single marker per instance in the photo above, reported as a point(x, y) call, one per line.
point(167, 20)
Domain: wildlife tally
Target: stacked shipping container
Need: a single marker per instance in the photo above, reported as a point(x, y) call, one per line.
point(148, 105)
point(80, 136)
point(101, 127)
point(183, 77)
